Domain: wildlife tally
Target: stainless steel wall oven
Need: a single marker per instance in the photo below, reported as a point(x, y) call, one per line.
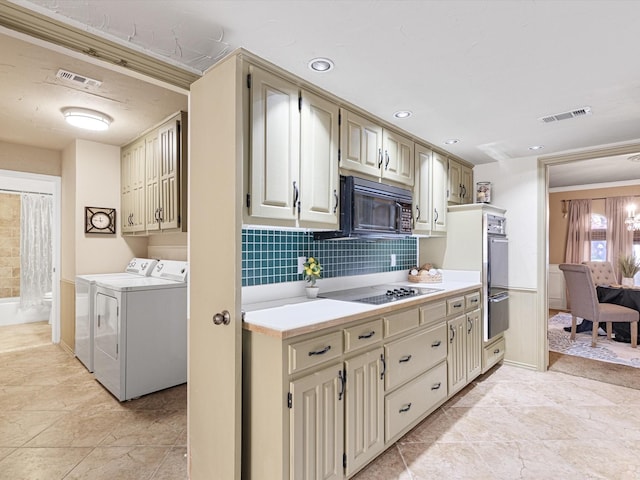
point(496, 312)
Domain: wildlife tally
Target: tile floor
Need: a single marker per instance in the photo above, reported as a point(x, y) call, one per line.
point(56, 422)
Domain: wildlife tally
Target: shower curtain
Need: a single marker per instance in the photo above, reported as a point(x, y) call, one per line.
point(36, 250)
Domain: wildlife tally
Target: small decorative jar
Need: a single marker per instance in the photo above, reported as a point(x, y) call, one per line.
point(483, 192)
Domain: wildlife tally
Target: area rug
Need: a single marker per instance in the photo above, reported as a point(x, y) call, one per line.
point(605, 350)
point(606, 372)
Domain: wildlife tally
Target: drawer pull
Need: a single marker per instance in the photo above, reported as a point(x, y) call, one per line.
point(496, 351)
point(364, 336)
point(405, 359)
point(475, 300)
point(436, 386)
point(384, 366)
point(343, 379)
point(457, 305)
point(435, 344)
point(453, 333)
point(320, 352)
point(405, 408)
point(470, 323)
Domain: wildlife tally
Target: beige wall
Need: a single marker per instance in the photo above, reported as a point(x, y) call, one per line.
point(22, 158)
point(67, 213)
point(9, 245)
point(558, 224)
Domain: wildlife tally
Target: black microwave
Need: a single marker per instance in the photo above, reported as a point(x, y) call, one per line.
point(371, 210)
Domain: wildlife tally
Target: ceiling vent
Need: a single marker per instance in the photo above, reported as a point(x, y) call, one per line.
point(78, 79)
point(579, 112)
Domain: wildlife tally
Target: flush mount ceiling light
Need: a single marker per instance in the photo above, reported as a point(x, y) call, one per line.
point(321, 64)
point(451, 141)
point(403, 114)
point(536, 147)
point(86, 118)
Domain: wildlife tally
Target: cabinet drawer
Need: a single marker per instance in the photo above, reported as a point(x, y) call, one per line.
point(314, 351)
point(433, 312)
point(400, 322)
point(492, 354)
point(362, 335)
point(472, 301)
point(408, 357)
point(455, 305)
point(413, 400)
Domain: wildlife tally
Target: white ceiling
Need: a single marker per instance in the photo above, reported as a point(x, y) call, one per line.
point(483, 72)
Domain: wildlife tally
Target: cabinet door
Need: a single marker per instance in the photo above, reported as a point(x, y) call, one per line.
point(439, 193)
point(398, 161)
point(455, 182)
point(474, 344)
point(169, 176)
point(467, 185)
point(360, 144)
point(319, 180)
point(317, 425)
point(125, 189)
point(422, 213)
point(152, 181)
point(138, 187)
point(275, 147)
point(364, 417)
point(456, 354)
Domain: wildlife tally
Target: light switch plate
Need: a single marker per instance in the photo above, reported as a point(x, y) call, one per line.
point(301, 261)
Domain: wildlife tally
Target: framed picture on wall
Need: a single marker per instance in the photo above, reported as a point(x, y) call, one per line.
point(100, 220)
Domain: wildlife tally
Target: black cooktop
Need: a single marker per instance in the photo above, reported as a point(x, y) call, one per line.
point(379, 294)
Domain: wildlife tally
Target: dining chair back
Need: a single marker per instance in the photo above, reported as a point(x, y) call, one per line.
point(602, 273)
point(585, 304)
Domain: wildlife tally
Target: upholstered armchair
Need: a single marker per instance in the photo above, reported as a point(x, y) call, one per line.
point(602, 273)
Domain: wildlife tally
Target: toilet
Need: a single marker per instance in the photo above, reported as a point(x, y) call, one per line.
point(47, 301)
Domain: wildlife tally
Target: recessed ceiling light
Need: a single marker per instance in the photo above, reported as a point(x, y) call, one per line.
point(321, 64)
point(402, 114)
point(451, 141)
point(536, 147)
point(86, 118)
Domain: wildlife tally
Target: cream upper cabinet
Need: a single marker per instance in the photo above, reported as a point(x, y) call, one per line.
point(460, 183)
point(430, 192)
point(132, 187)
point(364, 409)
point(275, 147)
point(319, 179)
point(294, 154)
point(366, 147)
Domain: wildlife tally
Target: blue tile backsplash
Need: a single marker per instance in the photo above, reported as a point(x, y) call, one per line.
point(270, 256)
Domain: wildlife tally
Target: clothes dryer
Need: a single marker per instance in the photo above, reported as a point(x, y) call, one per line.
point(140, 325)
point(85, 300)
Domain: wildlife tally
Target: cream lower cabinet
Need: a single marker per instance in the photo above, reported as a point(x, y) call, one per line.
point(324, 404)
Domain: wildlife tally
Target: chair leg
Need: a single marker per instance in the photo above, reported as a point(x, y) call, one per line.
point(634, 334)
point(594, 334)
point(609, 330)
point(574, 325)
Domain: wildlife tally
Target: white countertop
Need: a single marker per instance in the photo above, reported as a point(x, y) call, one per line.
point(291, 316)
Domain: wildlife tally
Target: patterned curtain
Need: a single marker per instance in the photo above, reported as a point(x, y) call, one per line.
point(36, 219)
point(619, 239)
point(579, 234)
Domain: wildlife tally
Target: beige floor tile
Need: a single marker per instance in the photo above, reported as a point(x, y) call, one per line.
point(17, 428)
point(5, 451)
point(119, 463)
point(611, 459)
point(41, 463)
point(148, 427)
point(388, 466)
point(437, 427)
point(444, 460)
point(17, 337)
point(174, 465)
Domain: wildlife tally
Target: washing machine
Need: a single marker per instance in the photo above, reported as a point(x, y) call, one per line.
point(85, 300)
point(140, 331)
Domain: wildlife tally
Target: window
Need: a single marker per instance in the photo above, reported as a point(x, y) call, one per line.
point(599, 238)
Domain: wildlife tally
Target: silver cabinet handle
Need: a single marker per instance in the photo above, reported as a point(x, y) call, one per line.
point(335, 207)
point(223, 318)
point(296, 195)
point(320, 352)
point(386, 163)
point(379, 157)
point(405, 359)
point(405, 408)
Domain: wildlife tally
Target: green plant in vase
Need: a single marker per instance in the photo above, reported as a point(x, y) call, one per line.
point(629, 265)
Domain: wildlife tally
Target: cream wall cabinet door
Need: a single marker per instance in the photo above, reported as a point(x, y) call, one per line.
point(317, 425)
point(398, 161)
point(468, 192)
point(430, 192)
point(275, 147)
point(152, 180)
point(365, 147)
point(460, 183)
point(364, 413)
point(133, 187)
point(457, 353)
point(319, 178)
point(360, 144)
point(125, 189)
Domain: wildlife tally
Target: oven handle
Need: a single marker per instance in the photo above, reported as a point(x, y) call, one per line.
point(499, 298)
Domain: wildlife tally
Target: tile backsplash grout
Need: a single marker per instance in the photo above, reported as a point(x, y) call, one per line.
point(270, 256)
